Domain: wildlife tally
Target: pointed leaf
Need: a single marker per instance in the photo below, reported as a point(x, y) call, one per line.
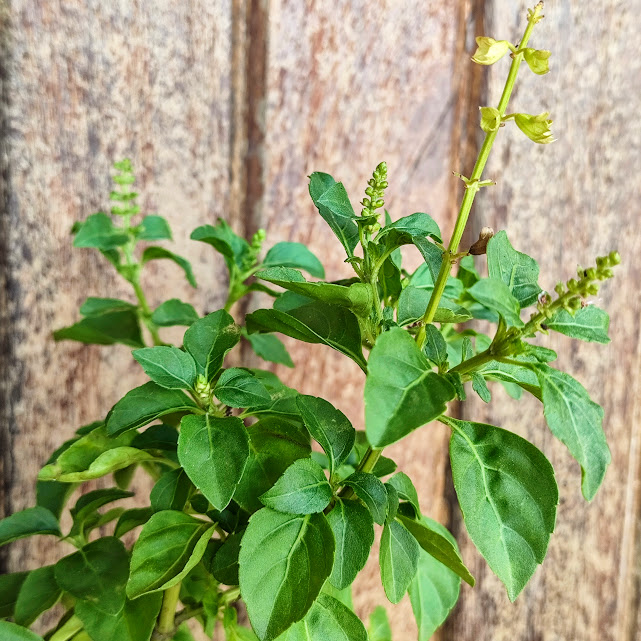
point(10, 585)
point(508, 495)
point(131, 519)
point(333, 205)
point(213, 451)
point(221, 237)
point(154, 228)
point(329, 427)
point(302, 489)
point(170, 545)
point(88, 503)
point(577, 421)
point(517, 270)
point(371, 491)
point(171, 491)
point(270, 348)
point(357, 297)
point(379, 627)
point(274, 445)
point(224, 564)
point(435, 347)
point(145, 404)
point(401, 391)
point(406, 490)
point(404, 230)
point(438, 545)
point(496, 296)
point(97, 306)
point(480, 387)
point(398, 558)
point(97, 573)
point(589, 323)
point(170, 367)
point(99, 232)
point(284, 561)
point(105, 329)
point(209, 339)
point(38, 593)
point(353, 529)
point(434, 590)
point(174, 312)
point(238, 387)
point(313, 322)
point(29, 522)
point(157, 253)
point(287, 254)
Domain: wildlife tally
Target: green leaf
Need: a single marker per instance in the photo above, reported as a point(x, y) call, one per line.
point(589, 323)
point(423, 278)
point(435, 347)
point(162, 438)
point(406, 490)
point(134, 622)
point(53, 495)
point(286, 254)
point(508, 496)
point(513, 372)
point(333, 205)
point(353, 529)
point(170, 367)
point(131, 519)
point(327, 620)
point(107, 329)
point(29, 522)
point(171, 491)
point(214, 452)
point(221, 237)
point(517, 270)
point(283, 398)
point(398, 558)
point(393, 502)
point(371, 491)
point(38, 593)
point(174, 312)
point(313, 322)
point(233, 631)
point(434, 590)
point(88, 503)
point(329, 427)
point(356, 297)
point(404, 230)
point(157, 253)
point(170, 545)
point(10, 585)
point(238, 387)
point(495, 295)
point(401, 391)
point(98, 306)
point(145, 404)
point(99, 232)
point(413, 302)
point(438, 545)
point(154, 228)
point(97, 573)
point(379, 627)
point(224, 564)
point(274, 444)
point(480, 387)
point(577, 421)
point(12, 632)
point(302, 489)
point(284, 561)
point(209, 339)
point(270, 348)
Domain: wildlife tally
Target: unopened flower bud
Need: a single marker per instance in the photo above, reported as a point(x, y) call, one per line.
point(490, 119)
point(489, 50)
point(615, 258)
point(536, 128)
point(537, 60)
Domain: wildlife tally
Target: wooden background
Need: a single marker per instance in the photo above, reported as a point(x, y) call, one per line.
point(225, 106)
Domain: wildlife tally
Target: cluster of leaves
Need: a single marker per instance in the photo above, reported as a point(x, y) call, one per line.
point(244, 506)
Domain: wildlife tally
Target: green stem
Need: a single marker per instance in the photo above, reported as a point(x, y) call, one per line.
point(146, 312)
point(167, 614)
point(472, 186)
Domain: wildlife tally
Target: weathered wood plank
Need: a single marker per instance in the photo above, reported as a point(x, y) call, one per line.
point(565, 204)
point(89, 83)
point(349, 85)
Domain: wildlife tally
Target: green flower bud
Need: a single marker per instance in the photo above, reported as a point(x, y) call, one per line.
point(614, 258)
point(490, 50)
point(559, 288)
point(536, 128)
point(537, 60)
point(490, 119)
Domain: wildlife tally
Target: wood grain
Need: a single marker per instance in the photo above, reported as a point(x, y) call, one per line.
point(564, 204)
point(88, 83)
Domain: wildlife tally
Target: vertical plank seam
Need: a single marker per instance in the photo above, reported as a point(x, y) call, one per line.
point(9, 385)
point(471, 90)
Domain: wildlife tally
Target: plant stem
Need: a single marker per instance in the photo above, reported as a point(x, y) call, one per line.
point(167, 614)
point(472, 186)
point(146, 312)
